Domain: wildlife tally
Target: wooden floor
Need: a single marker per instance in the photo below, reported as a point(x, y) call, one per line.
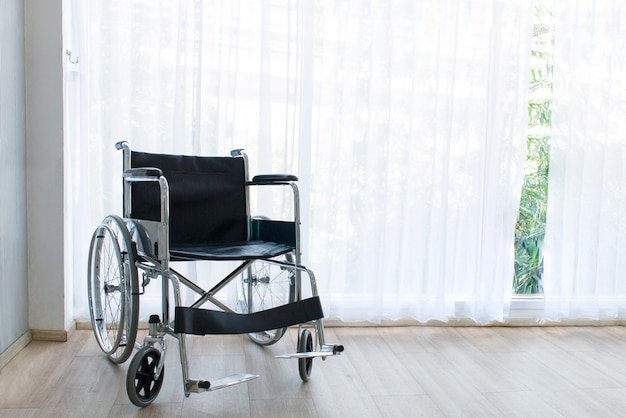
point(384, 372)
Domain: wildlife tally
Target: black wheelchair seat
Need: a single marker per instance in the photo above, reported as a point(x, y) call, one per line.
point(248, 250)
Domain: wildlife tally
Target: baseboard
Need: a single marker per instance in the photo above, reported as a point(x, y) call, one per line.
point(512, 322)
point(85, 324)
point(53, 334)
point(16, 347)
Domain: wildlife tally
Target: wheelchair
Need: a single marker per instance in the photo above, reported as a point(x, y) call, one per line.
point(182, 208)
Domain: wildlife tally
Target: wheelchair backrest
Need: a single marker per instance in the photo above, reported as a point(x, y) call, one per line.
point(207, 197)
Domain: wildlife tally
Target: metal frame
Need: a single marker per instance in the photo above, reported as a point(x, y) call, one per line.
point(154, 266)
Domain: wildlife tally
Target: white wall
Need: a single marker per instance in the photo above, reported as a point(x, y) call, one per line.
point(34, 292)
point(47, 284)
point(13, 278)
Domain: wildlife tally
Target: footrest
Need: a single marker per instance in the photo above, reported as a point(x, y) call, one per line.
point(327, 351)
point(197, 386)
point(308, 354)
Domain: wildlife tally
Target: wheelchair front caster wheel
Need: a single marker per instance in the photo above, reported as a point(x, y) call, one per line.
point(141, 386)
point(305, 345)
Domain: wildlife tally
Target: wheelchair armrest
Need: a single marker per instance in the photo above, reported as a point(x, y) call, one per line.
point(273, 179)
point(143, 174)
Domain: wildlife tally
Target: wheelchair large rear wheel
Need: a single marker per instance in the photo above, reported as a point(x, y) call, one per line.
point(113, 289)
point(264, 286)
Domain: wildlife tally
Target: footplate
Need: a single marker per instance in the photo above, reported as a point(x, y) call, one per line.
point(197, 386)
point(327, 351)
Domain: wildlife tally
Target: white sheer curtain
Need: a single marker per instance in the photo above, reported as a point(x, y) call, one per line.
point(585, 245)
point(405, 121)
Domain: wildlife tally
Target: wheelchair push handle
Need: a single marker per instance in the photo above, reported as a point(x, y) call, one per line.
point(120, 145)
point(137, 173)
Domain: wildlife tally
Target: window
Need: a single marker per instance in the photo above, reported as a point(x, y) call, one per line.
point(531, 222)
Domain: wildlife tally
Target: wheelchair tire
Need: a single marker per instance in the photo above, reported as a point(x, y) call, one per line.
point(270, 286)
point(141, 386)
point(113, 289)
point(305, 345)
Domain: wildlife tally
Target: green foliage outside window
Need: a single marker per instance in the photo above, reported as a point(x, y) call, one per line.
point(531, 222)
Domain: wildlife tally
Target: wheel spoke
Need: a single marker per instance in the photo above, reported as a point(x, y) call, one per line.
point(265, 286)
point(146, 374)
point(144, 384)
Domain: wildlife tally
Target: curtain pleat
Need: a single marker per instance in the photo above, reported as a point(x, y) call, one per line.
point(585, 252)
point(404, 120)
